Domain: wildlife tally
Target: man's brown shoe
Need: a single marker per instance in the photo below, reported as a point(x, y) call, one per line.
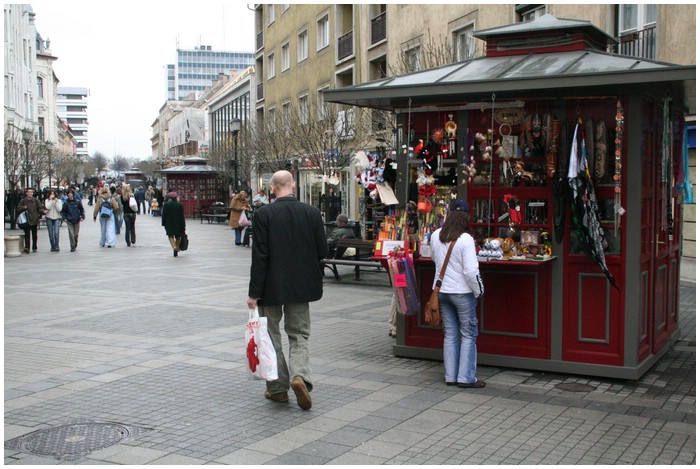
point(277, 396)
point(303, 397)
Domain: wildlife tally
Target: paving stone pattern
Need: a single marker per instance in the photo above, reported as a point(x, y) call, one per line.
point(138, 337)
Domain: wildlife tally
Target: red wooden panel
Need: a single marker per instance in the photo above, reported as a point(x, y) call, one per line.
point(516, 308)
point(593, 321)
point(515, 313)
point(511, 310)
point(592, 312)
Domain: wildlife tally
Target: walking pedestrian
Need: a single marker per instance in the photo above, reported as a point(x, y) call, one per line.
point(149, 198)
point(154, 207)
point(54, 206)
point(140, 197)
point(118, 218)
point(460, 288)
point(290, 241)
point(173, 220)
point(239, 204)
point(108, 236)
point(73, 212)
point(34, 210)
point(129, 216)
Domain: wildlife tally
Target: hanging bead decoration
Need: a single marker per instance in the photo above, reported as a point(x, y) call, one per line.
point(617, 177)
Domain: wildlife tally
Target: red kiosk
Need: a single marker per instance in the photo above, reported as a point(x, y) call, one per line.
point(566, 312)
point(196, 183)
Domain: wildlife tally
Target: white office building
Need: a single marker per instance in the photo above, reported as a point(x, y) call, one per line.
point(72, 108)
point(196, 69)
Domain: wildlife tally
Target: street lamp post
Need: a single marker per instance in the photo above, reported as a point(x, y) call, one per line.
point(235, 127)
point(27, 136)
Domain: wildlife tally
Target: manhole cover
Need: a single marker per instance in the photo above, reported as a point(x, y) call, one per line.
point(574, 387)
point(72, 441)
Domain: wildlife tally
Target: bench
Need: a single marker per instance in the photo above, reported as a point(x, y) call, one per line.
point(363, 251)
point(215, 212)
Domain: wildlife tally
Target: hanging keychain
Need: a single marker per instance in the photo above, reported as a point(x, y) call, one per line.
point(617, 177)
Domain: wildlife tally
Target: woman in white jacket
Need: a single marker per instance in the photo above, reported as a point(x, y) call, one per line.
point(54, 205)
point(460, 288)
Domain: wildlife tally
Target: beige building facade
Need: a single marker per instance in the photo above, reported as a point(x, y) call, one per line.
point(303, 49)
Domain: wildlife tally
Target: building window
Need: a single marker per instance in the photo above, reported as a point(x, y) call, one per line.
point(323, 32)
point(285, 56)
point(636, 17)
point(286, 117)
point(304, 109)
point(464, 44)
point(40, 130)
point(412, 59)
point(270, 14)
point(303, 46)
point(271, 66)
point(272, 119)
point(528, 12)
point(40, 87)
point(321, 106)
point(637, 25)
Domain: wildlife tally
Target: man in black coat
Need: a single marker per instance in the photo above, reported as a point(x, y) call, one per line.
point(285, 276)
point(173, 220)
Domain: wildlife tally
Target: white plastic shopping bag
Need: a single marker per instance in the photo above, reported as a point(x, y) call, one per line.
point(260, 353)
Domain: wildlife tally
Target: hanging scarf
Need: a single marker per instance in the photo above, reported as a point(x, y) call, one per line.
point(584, 210)
point(685, 184)
point(667, 171)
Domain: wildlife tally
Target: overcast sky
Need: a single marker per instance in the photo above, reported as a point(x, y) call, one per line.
point(119, 50)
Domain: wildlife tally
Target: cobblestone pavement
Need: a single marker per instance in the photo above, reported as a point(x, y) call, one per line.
point(132, 356)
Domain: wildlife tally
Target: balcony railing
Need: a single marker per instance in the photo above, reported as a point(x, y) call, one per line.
point(378, 24)
point(259, 41)
point(345, 45)
point(260, 92)
point(640, 44)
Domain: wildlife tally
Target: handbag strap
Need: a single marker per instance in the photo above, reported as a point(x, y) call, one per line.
point(444, 264)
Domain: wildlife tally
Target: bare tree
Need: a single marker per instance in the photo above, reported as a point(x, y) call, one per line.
point(13, 156)
point(266, 146)
point(433, 52)
point(328, 140)
point(119, 164)
point(148, 168)
point(100, 161)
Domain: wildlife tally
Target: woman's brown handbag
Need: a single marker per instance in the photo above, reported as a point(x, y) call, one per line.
point(431, 312)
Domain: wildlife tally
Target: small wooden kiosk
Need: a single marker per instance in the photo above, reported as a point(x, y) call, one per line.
point(506, 124)
point(196, 183)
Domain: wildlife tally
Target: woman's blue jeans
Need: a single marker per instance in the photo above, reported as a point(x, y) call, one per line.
point(54, 229)
point(461, 329)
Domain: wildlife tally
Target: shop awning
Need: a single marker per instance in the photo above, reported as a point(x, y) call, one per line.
point(524, 59)
point(509, 76)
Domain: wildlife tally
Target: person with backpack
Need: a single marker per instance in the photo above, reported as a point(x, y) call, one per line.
point(105, 206)
point(73, 212)
point(118, 218)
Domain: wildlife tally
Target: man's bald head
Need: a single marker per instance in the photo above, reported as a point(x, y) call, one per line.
point(282, 183)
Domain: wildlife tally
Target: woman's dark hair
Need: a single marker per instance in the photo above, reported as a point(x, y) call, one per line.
point(456, 223)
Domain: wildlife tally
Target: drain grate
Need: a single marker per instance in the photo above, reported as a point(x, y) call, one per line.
point(574, 387)
point(73, 441)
